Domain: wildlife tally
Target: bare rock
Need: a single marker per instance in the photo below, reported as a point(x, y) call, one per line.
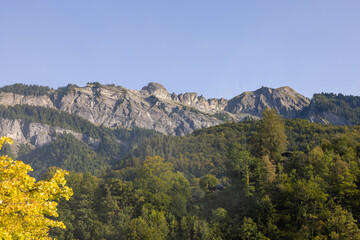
point(154, 108)
point(285, 100)
point(12, 99)
point(36, 134)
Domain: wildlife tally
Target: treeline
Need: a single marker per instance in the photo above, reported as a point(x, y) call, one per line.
point(69, 121)
point(346, 106)
point(53, 117)
point(26, 90)
point(259, 185)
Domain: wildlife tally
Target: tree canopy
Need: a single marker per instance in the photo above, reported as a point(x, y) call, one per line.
point(26, 206)
point(267, 179)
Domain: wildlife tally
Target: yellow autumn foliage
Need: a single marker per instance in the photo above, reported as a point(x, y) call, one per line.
point(25, 204)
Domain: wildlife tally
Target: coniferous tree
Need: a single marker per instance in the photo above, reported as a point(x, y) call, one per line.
point(270, 138)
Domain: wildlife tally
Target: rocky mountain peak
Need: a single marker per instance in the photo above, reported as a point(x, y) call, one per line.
point(156, 89)
point(264, 90)
point(285, 100)
point(268, 91)
point(154, 108)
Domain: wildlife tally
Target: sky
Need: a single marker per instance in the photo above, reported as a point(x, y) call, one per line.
point(215, 48)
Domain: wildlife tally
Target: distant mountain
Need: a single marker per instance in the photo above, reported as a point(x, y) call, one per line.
point(285, 100)
point(153, 107)
point(336, 109)
point(112, 120)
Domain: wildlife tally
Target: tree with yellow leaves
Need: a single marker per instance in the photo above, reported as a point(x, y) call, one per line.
point(26, 205)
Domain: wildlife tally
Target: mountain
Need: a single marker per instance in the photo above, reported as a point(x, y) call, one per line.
point(35, 114)
point(153, 107)
point(285, 100)
point(336, 109)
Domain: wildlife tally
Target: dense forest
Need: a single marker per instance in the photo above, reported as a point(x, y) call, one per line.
point(267, 179)
point(26, 90)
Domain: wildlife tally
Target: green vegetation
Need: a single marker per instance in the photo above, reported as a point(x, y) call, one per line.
point(191, 109)
point(346, 106)
point(52, 117)
point(203, 151)
point(68, 152)
point(268, 179)
point(65, 120)
point(222, 116)
point(26, 90)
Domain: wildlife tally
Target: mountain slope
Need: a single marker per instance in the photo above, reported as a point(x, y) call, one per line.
point(337, 109)
point(285, 100)
point(153, 107)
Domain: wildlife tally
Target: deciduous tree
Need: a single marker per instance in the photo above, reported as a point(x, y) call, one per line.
point(26, 205)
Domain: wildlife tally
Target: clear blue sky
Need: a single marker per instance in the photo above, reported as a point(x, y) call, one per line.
point(216, 48)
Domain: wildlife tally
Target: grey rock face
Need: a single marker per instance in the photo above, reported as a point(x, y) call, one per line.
point(150, 108)
point(155, 89)
point(326, 117)
point(11, 99)
point(285, 100)
point(36, 134)
point(154, 108)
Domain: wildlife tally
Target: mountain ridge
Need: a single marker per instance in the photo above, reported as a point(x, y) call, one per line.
point(153, 107)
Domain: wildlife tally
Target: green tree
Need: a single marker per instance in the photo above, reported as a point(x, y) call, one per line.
point(151, 225)
point(242, 168)
point(79, 213)
point(341, 225)
point(270, 138)
point(208, 183)
point(249, 230)
point(157, 185)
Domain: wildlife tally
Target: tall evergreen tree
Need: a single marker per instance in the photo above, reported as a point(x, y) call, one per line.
point(270, 138)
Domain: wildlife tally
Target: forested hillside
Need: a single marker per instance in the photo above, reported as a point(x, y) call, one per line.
point(154, 108)
point(268, 179)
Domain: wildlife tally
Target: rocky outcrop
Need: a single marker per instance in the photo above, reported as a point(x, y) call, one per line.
point(12, 99)
point(328, 118)
point(285, 100)
point(36, 134)
point(155, 89)
point(153, 107)
point(150, 108)
point(324, 116)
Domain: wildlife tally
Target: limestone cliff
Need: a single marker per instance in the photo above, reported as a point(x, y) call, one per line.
point(36, 134)
point(12, 99)
point(285, 100)
point(333, 109)
point(153, 107)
